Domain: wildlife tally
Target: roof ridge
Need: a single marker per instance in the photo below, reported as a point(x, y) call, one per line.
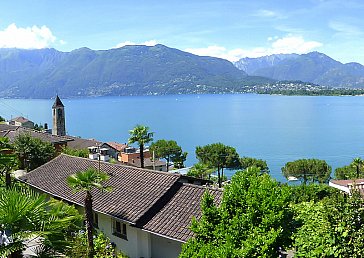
point(203, 187)
point(122, 165)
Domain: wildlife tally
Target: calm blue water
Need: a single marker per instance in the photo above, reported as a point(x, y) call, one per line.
point(275, 128)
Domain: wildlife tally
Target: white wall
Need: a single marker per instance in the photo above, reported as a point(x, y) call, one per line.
point(165, 248)
point(137, 243)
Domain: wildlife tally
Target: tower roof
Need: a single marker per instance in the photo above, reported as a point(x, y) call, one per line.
point(57, 103)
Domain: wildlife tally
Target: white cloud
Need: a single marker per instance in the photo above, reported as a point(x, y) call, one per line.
point(286, 45)
point(128, 43)
point(29, 38)
point(345, 29)
point(267, 14)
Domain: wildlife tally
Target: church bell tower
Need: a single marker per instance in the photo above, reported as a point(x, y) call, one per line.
point(59, 120)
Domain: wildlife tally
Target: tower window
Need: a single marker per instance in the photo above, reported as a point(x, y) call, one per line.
point(59, 112)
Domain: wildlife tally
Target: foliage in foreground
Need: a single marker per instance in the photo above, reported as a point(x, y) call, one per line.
point(250, 222)
point(103, 247)
point(85, 181)
point(26, 215)
point(333, 227)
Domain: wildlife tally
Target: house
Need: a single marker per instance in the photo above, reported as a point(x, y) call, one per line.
point(130, 153)
point(131, 156)
point(12, 132)
point(79, 143)
point(147, 214)
point(21, 121)
point(347, 186)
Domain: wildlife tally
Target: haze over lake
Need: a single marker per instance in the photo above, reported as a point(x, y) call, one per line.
point(275, 128)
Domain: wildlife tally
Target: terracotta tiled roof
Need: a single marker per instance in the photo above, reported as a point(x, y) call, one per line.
point(117, 146)
point(154, 201)
point(174, 218)
point(134, 190)
point(347, 182)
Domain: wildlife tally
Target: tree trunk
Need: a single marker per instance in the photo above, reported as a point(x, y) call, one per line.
point(222, 173)
point(357, 172)
point(7, 179)
point(167, 159)
point(89, 224)
point(141, 150)
point(218, 176)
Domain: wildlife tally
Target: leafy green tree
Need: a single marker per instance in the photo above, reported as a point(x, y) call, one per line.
point(83, 153)
point(168, 150)
point(142, 136)
point(333, 227)
point(353, 171)
point(85, 181)
point(219, 156)
point(8, 160)
point(251, 221)
point(246, 162)
point(25, 215)
point(346, 172)
point(200, 170)
point(2, 119)
point(32, 152)
point(358, 164)
point(312, 192)
point(305, 169)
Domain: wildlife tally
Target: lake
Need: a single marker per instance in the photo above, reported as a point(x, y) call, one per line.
point(277, 129)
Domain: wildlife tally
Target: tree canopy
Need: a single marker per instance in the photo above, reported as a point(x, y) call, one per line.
point(142, 136)
point(308, 169)
point(219, 156)
point(352, 171)
point(200, 170)
point(33, 152)
point(246, 162)
point(168, 150)
point(251, 220)
point(333, 227)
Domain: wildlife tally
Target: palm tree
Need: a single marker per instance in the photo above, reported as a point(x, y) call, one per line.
point(85, 181)
point(25, 216)
point(142, 136)
point(357, 163)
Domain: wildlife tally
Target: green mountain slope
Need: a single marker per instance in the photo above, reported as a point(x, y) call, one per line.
point(130, 70)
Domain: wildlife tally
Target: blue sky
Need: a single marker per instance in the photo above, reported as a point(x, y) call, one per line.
point(227, 29)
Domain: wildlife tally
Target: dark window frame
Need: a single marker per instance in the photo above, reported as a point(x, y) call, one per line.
point(119, 229)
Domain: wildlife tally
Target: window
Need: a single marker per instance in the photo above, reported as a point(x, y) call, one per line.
point(96, 220)
point(119, 229)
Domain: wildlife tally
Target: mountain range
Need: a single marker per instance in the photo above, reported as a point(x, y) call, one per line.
point(130, 70)
point(156, 70)
point(313, 67)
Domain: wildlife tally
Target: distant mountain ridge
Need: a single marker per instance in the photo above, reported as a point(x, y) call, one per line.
point(130, 70)
point(313, 67)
